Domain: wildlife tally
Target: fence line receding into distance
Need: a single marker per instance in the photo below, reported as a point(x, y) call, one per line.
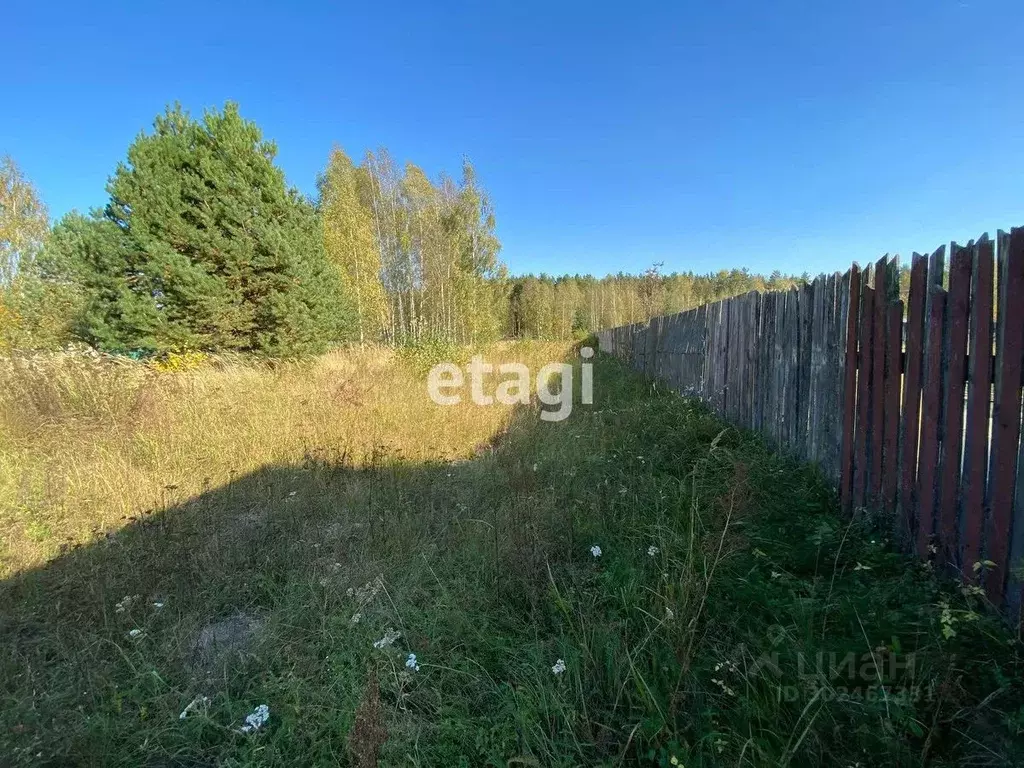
point(911, 410)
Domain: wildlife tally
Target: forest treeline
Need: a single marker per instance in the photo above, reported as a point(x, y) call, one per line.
point(202, 245)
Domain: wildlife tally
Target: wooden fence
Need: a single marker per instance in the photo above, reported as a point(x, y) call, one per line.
point(911, 410)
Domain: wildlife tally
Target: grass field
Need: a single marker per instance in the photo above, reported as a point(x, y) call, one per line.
point(181, 547)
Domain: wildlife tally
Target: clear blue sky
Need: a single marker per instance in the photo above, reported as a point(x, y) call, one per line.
point(781, 134)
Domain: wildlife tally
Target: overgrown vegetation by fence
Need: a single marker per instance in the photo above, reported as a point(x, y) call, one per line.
point(911, 410)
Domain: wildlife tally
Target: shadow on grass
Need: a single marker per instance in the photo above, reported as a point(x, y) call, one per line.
point(716, 554)
point(255, 591)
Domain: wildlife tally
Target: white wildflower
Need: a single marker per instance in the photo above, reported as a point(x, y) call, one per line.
point(199, 702)
point(367, 593)
point(595, 551)
point(125, 604)
point(356, 618)
point(388, 640)
point(135, 634)
point(652, 551)
point(726, 689)
point(559, 667)
point(862, 567)
point(669, 614)
point(410, 662)
point(256, 719)
point(158, 604)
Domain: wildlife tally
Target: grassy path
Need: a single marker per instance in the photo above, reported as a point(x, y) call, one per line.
point(731, 617)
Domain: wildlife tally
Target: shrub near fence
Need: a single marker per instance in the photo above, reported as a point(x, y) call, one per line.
point(912, 410)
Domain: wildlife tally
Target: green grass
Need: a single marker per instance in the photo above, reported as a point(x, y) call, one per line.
point(733, 617)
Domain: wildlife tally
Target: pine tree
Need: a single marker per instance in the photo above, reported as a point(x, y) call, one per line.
point(203, 246)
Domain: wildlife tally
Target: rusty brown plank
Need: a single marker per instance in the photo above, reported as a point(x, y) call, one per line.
point(931, 405)
point(910, 423)
point(1005, 408)
point(979, 393)
point(955, 368)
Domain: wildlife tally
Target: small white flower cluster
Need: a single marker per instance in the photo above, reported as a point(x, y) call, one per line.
point(390, 636)
point(559, 667)
point(652, 551)
point(724, 686)
point(135, 634)
point(125, 604)
point(595, 551)
point(729, 667)
point(367, 593)
point(363, 595)
point(256, 719)
point(129, 600)
point(411, 663)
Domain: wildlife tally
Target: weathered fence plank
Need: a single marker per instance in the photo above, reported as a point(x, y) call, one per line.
point(891, 427)
point(877, 405)
point(852, 300)
point(910, 422)
point(955, 371)
point(1005, 407)
point(865, 357)
point(979, 393)
point(931, 403)
point(804, 371)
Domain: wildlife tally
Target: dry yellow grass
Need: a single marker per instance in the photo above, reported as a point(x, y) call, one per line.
point(87, 443)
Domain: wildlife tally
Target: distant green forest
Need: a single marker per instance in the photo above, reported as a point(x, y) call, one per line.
point(202, 245)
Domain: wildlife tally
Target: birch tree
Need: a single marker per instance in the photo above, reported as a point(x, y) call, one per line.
point(351, 244)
